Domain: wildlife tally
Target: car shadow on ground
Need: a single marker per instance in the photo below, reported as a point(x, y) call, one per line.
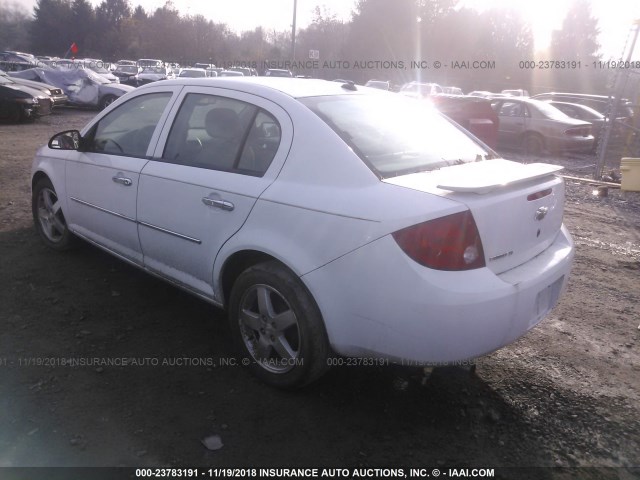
point(67, 314)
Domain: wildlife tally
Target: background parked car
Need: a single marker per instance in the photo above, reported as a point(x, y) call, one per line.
point(149, 62)
point(11, 61)
point(55, 94)
point(175, 69)
point(600, 103)
point(379, 84)
point(128, 74)
point(154, 74)
point(481, 94)
point(472, 113)
point(205, 66)
point(277, 72)
point(99, 67)
point(83, 87)
point(193, 73)
point(66, 64)
point(126, 62)
point(247, 72)
point(588, 114)
point(517, 92)
point(12, 55)
point(536, 126)
point(17, 102)
point(420, 90)
point(452, 90)
point(230, 73)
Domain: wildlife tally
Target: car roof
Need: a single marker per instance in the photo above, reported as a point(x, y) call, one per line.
point(293, 87)
point(427, 84)
point(576, 105)
point(585, 96)
point(31, 83)
point(512, 98)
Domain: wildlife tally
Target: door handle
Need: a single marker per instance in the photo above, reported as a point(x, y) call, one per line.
point(122, 180)
point(222, 204)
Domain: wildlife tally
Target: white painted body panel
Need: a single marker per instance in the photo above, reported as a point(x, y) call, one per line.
point(170, 197)
point(377, 302)
point(99, 208)
point(506, 219)
point(324, 214)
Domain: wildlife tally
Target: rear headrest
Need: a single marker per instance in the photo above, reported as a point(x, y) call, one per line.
point(223, 123)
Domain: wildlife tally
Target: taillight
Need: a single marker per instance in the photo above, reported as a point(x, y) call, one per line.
point(578, 131)
point(446, 243)
point(539, 195)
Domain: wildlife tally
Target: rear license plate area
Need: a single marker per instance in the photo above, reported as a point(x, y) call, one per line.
point(546, 299)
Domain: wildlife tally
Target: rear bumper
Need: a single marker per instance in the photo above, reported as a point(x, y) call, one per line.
point(571, 144)
point(376, 302)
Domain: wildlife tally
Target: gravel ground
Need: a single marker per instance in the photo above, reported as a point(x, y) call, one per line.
point(567, 395)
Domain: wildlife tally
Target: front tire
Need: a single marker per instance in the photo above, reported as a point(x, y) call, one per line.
point(277, 327)
point(48, 217)
point(15, 114)
point(107, 100)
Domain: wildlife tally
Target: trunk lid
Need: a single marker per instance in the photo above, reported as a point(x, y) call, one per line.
point(518, 208)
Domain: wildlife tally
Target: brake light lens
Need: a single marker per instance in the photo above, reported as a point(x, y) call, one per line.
point(449, 243)
point(539, 195)
point(578, 131)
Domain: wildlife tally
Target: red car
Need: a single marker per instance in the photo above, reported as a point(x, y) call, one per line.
point(472, 113)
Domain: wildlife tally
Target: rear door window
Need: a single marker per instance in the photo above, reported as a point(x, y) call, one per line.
point(220, 133)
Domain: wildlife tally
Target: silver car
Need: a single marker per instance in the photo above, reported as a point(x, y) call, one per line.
point(83, 86)
point(536, 127)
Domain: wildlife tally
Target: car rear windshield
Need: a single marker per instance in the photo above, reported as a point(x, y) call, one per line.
point(550, 111)
point(127, 69)
point(395, 135)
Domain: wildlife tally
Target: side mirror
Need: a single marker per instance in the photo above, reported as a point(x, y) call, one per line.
point(67, 140)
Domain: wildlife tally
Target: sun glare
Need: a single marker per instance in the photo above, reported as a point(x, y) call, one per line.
point(543, 16)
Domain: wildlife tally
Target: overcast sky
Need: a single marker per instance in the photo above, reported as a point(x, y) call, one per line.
point(614, 16)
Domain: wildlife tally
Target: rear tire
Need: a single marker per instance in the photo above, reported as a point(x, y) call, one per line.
point(533, 144)
point(107, 100)
point(277, 327)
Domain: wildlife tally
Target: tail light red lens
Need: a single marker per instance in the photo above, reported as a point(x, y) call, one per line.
point(446, 243)
point(578, 131)
point(539, 195)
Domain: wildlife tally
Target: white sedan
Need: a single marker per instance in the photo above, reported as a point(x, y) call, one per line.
point(325, 217)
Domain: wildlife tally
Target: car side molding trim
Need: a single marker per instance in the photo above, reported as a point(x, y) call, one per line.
point(119, 215)
point(154, 227)
point(170, 232)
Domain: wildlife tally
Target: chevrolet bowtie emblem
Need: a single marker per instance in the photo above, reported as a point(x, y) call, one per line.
point(541, 213)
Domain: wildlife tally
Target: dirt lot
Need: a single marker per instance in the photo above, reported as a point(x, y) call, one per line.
point(567, 394)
